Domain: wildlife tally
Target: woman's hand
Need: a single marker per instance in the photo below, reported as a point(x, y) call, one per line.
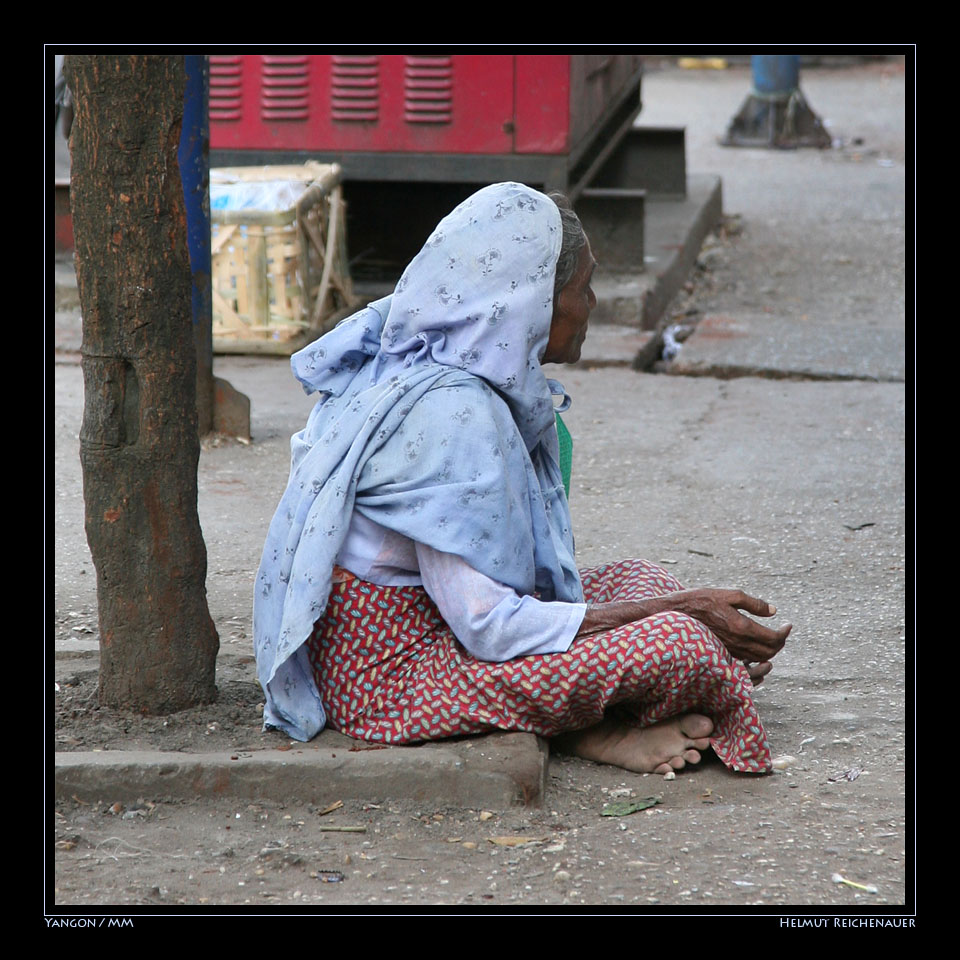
point(719, 610)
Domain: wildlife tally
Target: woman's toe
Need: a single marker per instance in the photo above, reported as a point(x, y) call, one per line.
point(696, 726)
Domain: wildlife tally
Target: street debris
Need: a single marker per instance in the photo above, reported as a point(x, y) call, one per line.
point(869, 888)
point(781, 763)
point(516, 841)
point(850, 774)
point(624, 808)
point(702, 63)
point(860, 526)
point(333, 806)
point(673, 337)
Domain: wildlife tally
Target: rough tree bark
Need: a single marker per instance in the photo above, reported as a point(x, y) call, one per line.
point(138, 444)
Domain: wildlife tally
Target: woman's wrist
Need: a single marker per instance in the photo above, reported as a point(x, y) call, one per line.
point(618, 613)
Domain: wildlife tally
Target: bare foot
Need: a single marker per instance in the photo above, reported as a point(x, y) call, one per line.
point(669, 745)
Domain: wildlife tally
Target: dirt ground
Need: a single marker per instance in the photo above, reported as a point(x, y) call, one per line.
point(231, 723)
point(713, 839)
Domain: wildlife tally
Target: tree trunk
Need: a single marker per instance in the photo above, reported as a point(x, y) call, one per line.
point(138, 444)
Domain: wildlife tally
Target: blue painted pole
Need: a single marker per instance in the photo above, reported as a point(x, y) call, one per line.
point(775, 114)
point(775, 75)
point(219, 406)
point(194, 158)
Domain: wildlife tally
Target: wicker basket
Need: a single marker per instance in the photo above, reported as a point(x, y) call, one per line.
point(280, 277)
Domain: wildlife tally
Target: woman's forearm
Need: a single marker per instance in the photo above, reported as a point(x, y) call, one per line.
point(618, 613)
point(718, 610)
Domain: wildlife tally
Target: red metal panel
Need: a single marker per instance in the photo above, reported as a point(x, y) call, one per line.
point(422, 103)
point(262, 102)
point(543, 104)
point(429, 104)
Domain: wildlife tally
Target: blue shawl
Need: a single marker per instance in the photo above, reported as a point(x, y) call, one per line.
point(434, 420)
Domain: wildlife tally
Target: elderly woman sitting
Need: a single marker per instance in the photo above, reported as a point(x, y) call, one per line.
point(418, 579)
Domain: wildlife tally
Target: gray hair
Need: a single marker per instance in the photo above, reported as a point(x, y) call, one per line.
point(572, 242)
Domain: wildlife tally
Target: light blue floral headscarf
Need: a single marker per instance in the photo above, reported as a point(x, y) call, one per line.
point(435, 420)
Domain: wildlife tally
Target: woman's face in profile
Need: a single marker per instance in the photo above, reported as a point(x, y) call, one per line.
point(576, 300)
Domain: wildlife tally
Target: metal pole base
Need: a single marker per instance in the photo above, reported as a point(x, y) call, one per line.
point(779, 121)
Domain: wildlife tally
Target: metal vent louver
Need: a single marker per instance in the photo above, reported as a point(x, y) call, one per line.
point(283, 94)
point(428, 90)
point(225, 78)
point(355, 89)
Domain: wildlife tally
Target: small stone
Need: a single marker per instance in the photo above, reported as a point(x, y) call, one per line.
point(469, 845)
point(561, 876)
point(670, 776)
point(781, 763)
point(485, 815)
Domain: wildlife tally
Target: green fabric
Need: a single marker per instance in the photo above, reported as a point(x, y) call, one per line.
point(566, 453)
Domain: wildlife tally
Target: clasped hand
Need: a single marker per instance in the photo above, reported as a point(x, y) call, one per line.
point(720, 611)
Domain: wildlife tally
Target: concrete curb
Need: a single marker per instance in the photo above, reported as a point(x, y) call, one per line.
point(766, 345)
point(495, 771)
point(677, 230)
